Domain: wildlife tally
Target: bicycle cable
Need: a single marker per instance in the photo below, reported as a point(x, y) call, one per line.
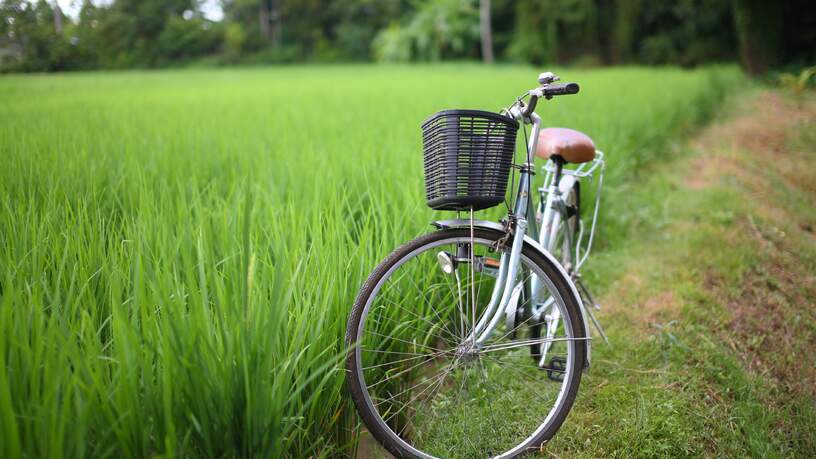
point(527, 153)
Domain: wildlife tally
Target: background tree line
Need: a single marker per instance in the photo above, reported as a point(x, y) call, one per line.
point(764, 35)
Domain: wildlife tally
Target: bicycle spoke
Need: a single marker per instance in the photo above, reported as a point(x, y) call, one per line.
point(414, 343)
point(436, 386)
point(425, 381)
point(427, 356)
point(524, 343)
point(445, 329)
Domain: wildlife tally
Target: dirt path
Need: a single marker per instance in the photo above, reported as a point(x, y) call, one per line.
point(768, 153)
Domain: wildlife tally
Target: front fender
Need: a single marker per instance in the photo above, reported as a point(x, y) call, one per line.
point(465, 223)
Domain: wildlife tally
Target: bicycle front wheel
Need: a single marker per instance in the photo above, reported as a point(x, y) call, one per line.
point(422, 384)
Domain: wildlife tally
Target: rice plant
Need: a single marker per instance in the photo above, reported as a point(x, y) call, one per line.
point(179, 249)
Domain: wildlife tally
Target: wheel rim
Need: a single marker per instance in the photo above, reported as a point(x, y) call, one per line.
point(431, 393)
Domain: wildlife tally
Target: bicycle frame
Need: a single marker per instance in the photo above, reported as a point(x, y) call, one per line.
point(523, 227)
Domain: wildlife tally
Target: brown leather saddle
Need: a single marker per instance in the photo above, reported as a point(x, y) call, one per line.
point(570, 145)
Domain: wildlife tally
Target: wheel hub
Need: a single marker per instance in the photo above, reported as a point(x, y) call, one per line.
point(467, 352)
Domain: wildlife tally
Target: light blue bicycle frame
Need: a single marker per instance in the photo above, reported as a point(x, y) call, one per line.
point(522, 218)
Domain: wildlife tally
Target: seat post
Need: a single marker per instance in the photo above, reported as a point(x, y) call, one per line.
point(559, 165)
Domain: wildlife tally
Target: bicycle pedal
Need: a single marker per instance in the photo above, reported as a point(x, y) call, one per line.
point(556, 369)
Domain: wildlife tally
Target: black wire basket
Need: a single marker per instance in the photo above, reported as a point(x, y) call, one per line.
point(468, 154)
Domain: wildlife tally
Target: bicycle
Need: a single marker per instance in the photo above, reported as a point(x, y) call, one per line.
point(442, 332)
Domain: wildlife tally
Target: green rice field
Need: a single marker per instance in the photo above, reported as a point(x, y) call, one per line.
point(179, 249)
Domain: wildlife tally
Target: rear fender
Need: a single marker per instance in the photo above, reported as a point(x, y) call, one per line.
point(465, 223)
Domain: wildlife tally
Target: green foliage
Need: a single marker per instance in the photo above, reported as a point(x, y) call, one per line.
point(439, 29)
point(152, 33)
point(394, 44)
point(181, 249)
point(131, 31)
point(759, 25)
point(688, 32)
point(342, 29)
point(554, 31)
point(535, 37)
point(182, 38)
point(126, 33)
point(29, 42)
point(235, 39)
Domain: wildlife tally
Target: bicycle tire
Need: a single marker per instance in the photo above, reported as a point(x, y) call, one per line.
point(357, 386)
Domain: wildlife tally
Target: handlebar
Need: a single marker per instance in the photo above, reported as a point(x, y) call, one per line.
point(549, 91)
point(560, 89)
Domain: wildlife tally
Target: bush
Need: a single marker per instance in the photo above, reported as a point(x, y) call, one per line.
point(439, 29)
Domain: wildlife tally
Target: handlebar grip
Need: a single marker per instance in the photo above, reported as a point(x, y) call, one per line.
point(561, 89)
point(558, 89)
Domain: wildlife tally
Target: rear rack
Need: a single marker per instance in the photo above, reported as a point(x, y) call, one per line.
point(583, 171)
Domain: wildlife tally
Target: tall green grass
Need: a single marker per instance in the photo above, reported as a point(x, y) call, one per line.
point(179, 250)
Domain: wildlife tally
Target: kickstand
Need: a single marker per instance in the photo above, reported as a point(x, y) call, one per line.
point(589, 304)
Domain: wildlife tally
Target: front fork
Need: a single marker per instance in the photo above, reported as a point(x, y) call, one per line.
point(507, 278)
point(508, 268)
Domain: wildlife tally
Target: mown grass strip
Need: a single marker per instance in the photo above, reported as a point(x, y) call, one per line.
point(682, 378)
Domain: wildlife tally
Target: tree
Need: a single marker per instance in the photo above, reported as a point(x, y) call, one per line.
point(33, 38)
point(485, 31)
point(627, 17)
point(58, 18)
point(554, 31)
point(438, 29)
point(261, 21)
point(270, 21)
point(535, 37)
point(759, 28)
point(36, 36)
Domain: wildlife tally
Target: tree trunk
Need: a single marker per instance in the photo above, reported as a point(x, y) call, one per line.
point(263, 19)
point(276, 20)
point(271, 23)
point(486, 31)
point(759, 29)
point(58, 18)
point(624, 32)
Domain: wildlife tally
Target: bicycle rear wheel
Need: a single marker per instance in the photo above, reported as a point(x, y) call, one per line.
point(562, 248)
point(421, 387)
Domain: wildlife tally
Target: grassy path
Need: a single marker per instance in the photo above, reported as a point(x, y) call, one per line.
point(710, 303)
